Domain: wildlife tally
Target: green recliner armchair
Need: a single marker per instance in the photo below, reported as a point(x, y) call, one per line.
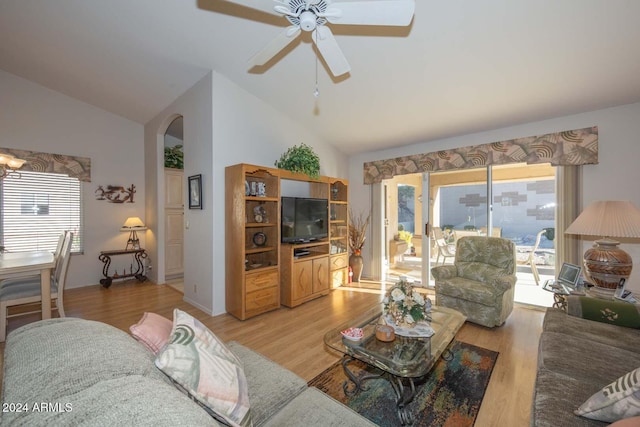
point(481, 282)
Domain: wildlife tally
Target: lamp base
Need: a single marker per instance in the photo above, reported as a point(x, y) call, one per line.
point(133, 242)
point(607, 267)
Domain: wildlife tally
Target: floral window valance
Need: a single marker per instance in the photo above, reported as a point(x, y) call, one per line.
point(573, 147)
point(75, 167)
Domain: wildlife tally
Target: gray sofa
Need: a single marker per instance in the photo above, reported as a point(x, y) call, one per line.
point(80, 372)
point(576, 358)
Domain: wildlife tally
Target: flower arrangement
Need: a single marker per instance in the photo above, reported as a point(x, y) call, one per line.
point(405, 306)
point(357, 232)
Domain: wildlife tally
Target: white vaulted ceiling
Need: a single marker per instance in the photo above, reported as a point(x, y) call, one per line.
point(462, 66)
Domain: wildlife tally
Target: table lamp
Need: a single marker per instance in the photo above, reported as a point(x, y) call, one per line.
point(607, 266)
point(133, 225)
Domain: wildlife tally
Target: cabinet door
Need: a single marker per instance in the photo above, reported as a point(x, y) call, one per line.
point(320, 274)
point(302, 285)
point(174, 243)
point(173, 197)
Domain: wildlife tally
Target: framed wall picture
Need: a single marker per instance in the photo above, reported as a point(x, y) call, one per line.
point(195, 192)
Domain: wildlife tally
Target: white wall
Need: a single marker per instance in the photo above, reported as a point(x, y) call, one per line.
point(39, 119)
point(616, 177)
point(195, 107)
point(248, 130)
point(223, 125)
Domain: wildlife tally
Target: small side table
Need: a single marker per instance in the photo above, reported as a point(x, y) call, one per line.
point(559, 294)
point(105, 257)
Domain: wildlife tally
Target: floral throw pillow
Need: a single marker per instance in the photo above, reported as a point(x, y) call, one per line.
point(620, 399)
point(206, 369)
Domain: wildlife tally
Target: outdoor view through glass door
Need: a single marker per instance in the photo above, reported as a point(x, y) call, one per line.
point(523, 210)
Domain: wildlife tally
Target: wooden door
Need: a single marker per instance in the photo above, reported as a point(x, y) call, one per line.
point(173, 222)
point(173, 182)
point(174, 242)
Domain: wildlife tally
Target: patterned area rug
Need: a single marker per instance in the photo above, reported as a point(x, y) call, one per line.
point(450, 395)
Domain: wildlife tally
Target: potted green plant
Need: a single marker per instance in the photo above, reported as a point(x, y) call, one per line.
point(302, 159)
point(174, 157)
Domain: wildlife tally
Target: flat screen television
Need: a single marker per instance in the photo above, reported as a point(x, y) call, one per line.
point(304, 219)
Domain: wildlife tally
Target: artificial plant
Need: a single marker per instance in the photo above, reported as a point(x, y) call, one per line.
point(300, 158)
point(174, 157)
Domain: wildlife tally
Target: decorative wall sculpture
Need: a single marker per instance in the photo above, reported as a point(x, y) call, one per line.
point(116, 194)
point(574, 147)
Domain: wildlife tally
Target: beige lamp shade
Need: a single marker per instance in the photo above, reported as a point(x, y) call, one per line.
point(607, 266)
point(611, 218)
point(133, 223)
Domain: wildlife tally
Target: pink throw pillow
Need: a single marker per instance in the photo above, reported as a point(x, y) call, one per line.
point(152, 331)
point(627, 422)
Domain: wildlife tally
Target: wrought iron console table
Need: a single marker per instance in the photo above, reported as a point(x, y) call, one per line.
point(138, 254)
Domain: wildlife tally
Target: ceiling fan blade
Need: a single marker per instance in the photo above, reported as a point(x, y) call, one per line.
point(276, 45)
point(372, 12)
point(330, 51)
point(285, 10)
point(262, 5)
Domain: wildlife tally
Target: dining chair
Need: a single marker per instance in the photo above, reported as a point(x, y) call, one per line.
point(22, 291)
point(56, 253)
point(56, 257)
point(445, 250)
point(530, 259)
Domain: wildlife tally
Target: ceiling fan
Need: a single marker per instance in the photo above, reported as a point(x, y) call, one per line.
point(313, 15)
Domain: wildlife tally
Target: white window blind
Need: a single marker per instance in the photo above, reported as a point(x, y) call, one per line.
point(37, 208)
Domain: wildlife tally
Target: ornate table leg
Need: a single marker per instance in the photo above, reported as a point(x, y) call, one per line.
point(354, 384)
point(559, 301)
point(106, 259)
point(404, 395)
point(140, 269)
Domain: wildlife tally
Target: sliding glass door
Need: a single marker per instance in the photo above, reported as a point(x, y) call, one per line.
point(513, 201)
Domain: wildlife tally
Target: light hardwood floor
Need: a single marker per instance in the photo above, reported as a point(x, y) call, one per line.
point(293, 337)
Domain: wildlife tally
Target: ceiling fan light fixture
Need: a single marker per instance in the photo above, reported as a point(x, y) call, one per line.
point(9, 165)
point(308, 21)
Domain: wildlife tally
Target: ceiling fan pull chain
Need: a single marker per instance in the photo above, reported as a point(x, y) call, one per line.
point(316, 92)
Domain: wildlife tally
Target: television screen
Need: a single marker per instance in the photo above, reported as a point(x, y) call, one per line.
point(304, 219)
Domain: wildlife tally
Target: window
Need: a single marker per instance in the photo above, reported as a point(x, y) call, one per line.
point(37, 208)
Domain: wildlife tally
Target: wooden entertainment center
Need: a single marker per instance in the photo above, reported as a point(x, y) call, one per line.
point(262, 272)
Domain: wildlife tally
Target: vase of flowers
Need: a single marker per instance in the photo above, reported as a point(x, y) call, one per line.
point(404, 306)
point(357, 234)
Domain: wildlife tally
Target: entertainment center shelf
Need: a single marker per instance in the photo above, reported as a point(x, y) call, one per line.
point(262, 272)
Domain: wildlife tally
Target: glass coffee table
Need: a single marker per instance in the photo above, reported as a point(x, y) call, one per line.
point(403, 362)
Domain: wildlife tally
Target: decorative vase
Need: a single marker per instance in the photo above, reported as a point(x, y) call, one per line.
point(607, 266)
point(356, 262)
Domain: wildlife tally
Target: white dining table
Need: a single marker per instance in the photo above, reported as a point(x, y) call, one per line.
point(25, 264)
